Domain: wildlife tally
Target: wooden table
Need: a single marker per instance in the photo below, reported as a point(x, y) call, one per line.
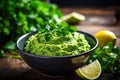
point(17, 69)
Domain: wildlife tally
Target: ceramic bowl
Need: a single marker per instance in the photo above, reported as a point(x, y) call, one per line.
point(57, 65)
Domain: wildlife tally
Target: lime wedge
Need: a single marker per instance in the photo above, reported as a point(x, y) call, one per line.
point(73, 18)
point(91, 71)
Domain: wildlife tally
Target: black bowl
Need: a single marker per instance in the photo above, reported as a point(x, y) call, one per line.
point(57, 65)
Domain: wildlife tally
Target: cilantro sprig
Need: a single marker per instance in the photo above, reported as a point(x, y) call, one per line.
point(60, 29)
point(109, 57)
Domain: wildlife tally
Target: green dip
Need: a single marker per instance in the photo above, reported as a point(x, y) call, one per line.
point(70, 44)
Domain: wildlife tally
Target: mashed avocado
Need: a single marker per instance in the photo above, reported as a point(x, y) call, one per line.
point(63, 45)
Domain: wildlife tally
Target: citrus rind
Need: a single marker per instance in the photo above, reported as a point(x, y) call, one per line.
point(91, 71)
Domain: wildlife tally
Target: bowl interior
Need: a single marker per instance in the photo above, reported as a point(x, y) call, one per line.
point(90, 38)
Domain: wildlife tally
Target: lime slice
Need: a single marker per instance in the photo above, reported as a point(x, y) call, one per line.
point(91, 71)
point(73, 18)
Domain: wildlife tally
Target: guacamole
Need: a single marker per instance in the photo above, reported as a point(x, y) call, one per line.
point(56, 45)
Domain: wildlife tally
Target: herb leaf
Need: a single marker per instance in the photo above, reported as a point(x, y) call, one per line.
point(22, 16)
point(109, 57)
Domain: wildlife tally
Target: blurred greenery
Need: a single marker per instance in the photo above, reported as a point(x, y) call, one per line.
point(18, 17)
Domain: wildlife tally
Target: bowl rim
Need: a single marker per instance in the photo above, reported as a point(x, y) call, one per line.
point(68, 56)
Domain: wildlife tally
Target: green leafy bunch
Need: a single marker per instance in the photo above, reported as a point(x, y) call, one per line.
point(18, 17)
point(109, 57)
point(61, 28)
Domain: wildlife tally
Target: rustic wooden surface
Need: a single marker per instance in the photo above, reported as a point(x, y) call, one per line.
point(17, 69)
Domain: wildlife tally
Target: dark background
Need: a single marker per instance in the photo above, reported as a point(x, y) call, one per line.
point(86, 3)
point(99, 4)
